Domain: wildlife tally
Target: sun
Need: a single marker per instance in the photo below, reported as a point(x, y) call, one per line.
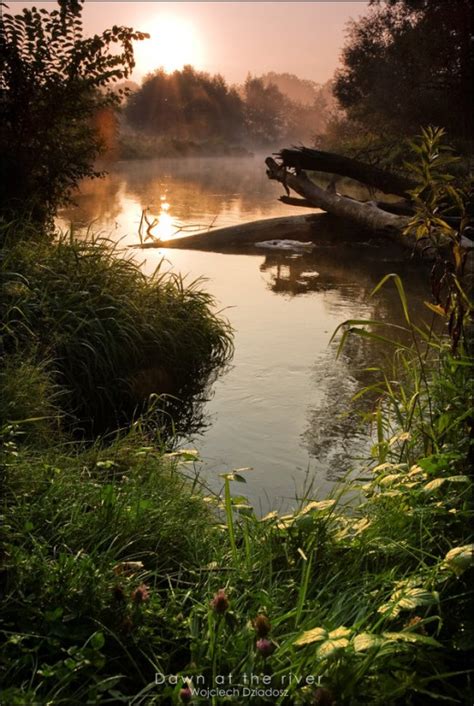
point(173, 43)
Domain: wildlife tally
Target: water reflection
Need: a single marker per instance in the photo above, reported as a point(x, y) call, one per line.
point(284, 405)
point(197, 193)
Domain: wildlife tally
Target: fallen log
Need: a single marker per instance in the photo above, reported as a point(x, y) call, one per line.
point(304, 227)
point(316, 160)
point(401, 208)
point(367, 214)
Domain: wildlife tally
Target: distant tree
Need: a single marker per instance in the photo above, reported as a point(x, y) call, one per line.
point(297, 89)
point(265, 111)
point(54, 86)
point(308, 105)
point(409, 63)
point(187, 104)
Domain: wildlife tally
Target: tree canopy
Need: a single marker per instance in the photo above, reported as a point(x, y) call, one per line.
point(186, 104)
point(53, 83)
point(409, 63)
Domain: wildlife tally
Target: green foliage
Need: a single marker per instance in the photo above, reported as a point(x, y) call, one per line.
point(53, 82)
point(409, 63)
point(441, 217)
point(30, 398)
point(113, 336)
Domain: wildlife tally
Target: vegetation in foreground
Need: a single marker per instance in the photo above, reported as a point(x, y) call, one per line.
point(118, 566)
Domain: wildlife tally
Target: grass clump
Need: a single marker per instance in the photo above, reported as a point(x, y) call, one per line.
point(113, 335)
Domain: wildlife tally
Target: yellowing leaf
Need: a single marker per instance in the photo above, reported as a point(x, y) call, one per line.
point(438, 482)
point(436, 308)
point(460, 558)
point(434, 485)
point(310, 636)
point(365, 641)
point(329, 647)
point(339, 633)
point(408, 599)
point(412, 637)
point(388, 480)
point(317, 506)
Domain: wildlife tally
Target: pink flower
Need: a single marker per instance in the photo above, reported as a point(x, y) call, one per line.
point(265, 647)
point(186, 695)
point(141, 594)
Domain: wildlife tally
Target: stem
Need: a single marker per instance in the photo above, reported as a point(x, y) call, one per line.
point(229, 517)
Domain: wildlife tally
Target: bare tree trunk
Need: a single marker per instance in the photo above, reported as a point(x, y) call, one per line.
point(287, 227)
point(367, 215)
point(319, 161)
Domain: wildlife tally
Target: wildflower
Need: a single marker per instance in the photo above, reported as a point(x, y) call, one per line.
point(265, 647)
point(141, 594)
point(186, 694)
point(262, 625)
point(220, 602)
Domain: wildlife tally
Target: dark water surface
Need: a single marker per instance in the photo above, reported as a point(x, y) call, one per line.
point(282, 406)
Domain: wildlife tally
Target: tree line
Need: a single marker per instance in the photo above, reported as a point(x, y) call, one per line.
point(192, 104)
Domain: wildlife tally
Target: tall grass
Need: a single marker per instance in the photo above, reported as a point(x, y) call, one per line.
point(92, 312)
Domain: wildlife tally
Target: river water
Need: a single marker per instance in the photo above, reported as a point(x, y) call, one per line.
point(283, 406)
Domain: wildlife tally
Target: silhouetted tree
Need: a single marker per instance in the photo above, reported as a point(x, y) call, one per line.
point(409, 63)
point(265, 111)
point(53, 85)
point(188, 104)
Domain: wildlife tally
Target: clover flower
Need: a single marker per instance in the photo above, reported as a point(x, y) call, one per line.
point(186, 695)
point(141, 594)
point(220, 602)
point(265, 647)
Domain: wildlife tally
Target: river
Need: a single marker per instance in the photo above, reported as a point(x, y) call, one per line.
point(282, 408)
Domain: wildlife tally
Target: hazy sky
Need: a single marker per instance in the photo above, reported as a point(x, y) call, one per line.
point(231, 38)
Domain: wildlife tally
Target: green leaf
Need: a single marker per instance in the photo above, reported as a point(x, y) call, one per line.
point(97, 640)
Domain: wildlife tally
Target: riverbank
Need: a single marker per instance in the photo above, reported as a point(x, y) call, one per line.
point(118, 564)
point(138, 145)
